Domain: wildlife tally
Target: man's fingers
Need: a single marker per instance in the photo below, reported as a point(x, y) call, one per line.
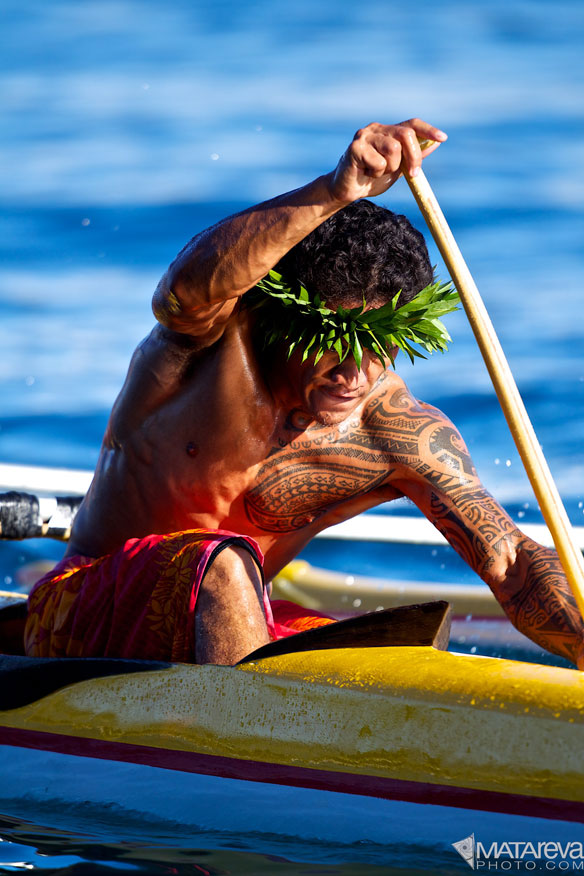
point(411, 152)
point(383, 149)
point(379, 153)
point(370, 159)
point(427, 147)
point(422, 139)
point(424, 130)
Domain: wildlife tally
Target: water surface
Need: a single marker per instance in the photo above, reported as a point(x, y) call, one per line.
point(131, 125)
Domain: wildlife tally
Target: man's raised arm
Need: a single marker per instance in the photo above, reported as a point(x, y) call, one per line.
point(199, 291)
point(436, 471)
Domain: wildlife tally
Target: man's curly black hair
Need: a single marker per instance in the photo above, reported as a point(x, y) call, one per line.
point(364, 250)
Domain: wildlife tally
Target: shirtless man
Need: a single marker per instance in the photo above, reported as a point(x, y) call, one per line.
point(212, 432)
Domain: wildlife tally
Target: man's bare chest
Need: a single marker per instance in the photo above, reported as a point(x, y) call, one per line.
point(314, 473)
point(219, 447)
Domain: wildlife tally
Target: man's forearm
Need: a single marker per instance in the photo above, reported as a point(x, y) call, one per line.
point(538, 601)
point(229, 258)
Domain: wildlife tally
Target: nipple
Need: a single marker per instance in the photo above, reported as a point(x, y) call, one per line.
point(305, 521)
point(192, 449)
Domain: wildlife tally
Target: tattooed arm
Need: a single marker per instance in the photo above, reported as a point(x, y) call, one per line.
point(433, 468)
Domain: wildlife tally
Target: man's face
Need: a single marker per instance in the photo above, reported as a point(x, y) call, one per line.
point(331, 390)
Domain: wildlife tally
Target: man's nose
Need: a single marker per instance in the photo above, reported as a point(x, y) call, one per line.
point(347, 373)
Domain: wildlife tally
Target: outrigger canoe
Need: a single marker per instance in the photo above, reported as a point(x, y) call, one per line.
point(305, 743)
point(354, 740)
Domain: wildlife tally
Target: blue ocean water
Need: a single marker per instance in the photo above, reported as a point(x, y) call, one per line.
point(129, 125)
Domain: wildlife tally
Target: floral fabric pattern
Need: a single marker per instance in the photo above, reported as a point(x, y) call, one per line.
point(140, 601)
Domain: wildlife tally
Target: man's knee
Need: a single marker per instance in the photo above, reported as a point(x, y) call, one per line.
point(230, 618)
point(232, 572)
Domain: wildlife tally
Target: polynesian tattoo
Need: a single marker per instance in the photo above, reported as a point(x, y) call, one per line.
point(400, 447)
point(543, 606)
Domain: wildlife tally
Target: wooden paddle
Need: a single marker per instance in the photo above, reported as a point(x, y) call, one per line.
point(406, 625)
point(523, 434)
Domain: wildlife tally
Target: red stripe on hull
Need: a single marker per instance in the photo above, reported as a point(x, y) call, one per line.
point(300, 777)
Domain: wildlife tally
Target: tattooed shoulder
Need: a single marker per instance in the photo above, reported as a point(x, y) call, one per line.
point(417, 437)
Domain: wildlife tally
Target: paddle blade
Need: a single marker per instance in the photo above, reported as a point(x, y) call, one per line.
point(407, 625)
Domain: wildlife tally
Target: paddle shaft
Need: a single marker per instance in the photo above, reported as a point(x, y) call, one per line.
point(515, 413)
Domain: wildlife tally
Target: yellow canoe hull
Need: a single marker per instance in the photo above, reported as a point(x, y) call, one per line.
point(400, 715)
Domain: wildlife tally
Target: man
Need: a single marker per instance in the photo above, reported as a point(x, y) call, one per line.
point(221, 447)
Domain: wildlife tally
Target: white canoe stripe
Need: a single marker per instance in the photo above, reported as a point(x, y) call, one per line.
point(37, 479)
point(365, 527)
point(418, 530)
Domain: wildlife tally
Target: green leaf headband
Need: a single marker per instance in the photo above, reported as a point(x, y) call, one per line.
point(306, 322)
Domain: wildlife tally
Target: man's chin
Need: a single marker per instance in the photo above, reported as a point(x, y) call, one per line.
point(331, 414)
point(329, 418)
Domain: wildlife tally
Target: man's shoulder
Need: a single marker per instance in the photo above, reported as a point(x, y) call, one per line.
point(392, 398)
point(167, 344)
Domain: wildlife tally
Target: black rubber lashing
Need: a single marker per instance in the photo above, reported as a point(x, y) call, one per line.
point(19, 515)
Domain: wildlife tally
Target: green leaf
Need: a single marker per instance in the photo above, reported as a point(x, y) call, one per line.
point(357, 350)
point(283, 314)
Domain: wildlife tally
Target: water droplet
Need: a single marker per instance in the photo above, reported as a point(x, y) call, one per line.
point(29, 380)
point(85, 222)
point(214, 156)
point(497, 461)
point(356, 603)
point(507, 462)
